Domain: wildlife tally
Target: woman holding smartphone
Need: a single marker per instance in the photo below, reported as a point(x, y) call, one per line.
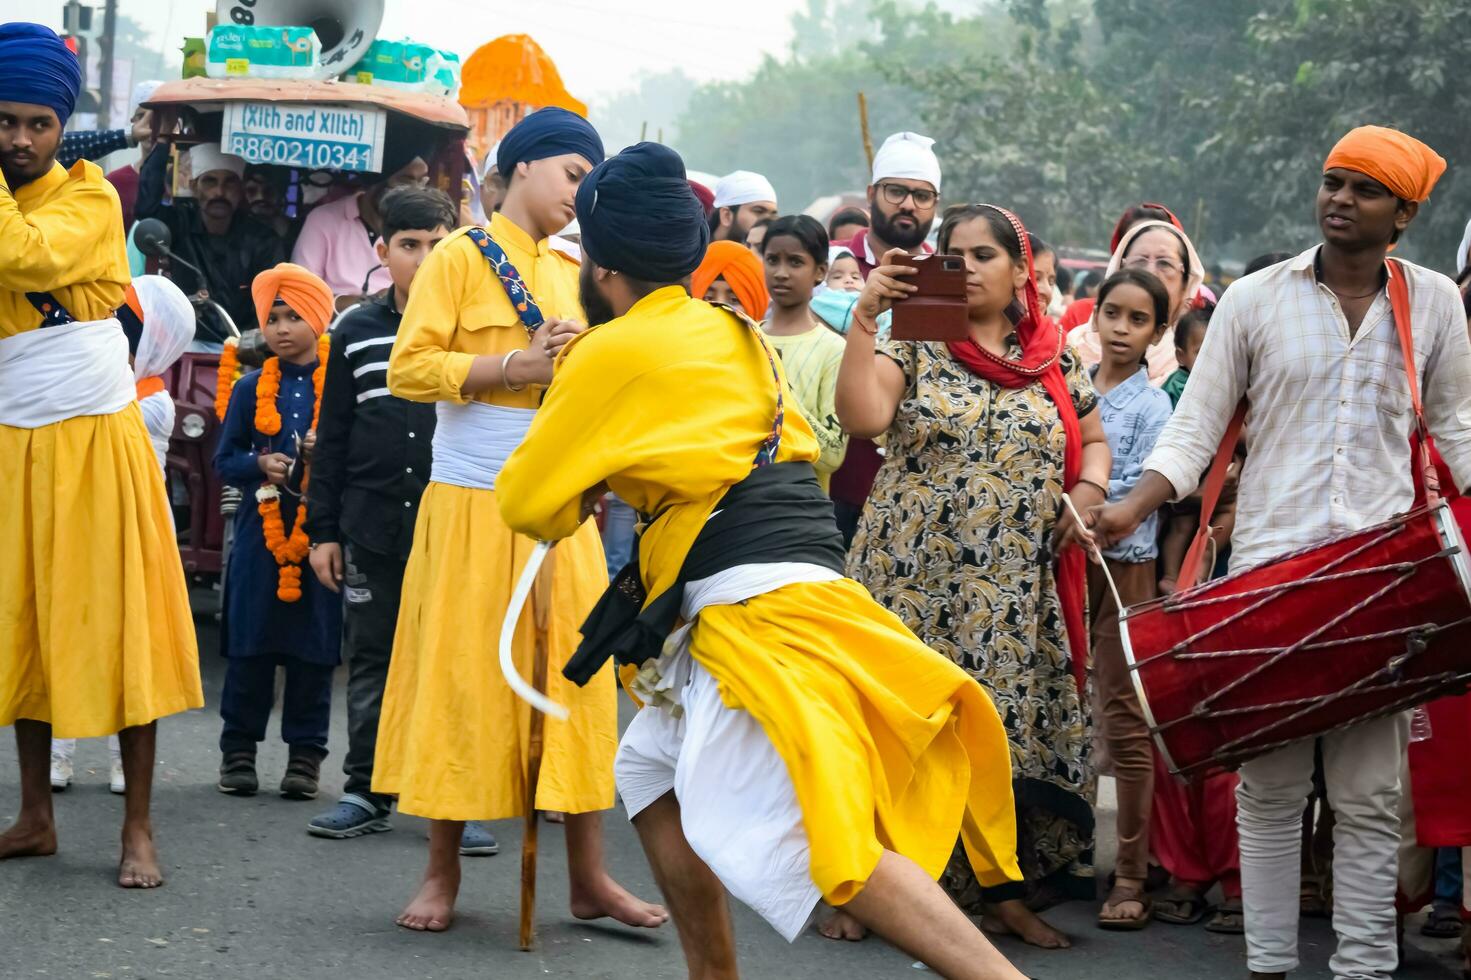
point(967, 540)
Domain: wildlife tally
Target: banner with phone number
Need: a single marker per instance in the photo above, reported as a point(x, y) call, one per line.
point(312, 137)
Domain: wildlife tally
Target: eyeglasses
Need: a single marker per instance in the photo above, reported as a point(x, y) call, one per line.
point(897, 193)
point(1160, 265)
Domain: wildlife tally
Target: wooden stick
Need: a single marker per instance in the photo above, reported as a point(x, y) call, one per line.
point(863, 125)
point(541, 606)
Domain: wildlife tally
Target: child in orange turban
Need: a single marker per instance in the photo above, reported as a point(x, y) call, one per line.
point(732, 274)
point(274, 615)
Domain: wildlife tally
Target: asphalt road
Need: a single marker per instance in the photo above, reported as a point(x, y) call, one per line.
point(249, 894)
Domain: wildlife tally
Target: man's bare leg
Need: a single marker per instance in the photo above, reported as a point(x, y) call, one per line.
point(432, 908)
point(138, 866)
point(695, 895)
point(34, 832)
point(902, 904)
point(595, 894)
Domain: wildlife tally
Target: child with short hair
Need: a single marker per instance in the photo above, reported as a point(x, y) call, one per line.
point(1189, 335)
point(369, 469)
point(1132, 314)
point(794, 253)
point(273, 616)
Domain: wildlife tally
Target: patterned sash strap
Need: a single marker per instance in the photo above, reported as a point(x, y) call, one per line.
point(53, 314)
point(515, 286)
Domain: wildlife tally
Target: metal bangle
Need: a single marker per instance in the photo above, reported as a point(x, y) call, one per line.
point(506, 378)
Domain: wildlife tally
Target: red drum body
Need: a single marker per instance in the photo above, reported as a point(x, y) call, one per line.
point(1358, 627)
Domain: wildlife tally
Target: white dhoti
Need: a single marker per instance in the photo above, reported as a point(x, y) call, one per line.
point(738, 807)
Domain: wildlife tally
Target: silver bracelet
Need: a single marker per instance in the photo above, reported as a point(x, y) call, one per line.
point(506, 378)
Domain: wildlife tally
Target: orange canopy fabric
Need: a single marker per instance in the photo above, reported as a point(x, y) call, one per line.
point(739, 267)
point(1397, 160)
point(514, 68)
point(298, 289)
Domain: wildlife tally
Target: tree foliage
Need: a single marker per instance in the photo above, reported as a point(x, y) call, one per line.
point(1070, 110)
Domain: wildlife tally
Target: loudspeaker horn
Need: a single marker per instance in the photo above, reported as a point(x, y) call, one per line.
point(345, 28)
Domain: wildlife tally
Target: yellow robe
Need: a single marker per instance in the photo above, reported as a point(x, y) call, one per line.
point(888, 744)
point(95, 629)
point(452, 738)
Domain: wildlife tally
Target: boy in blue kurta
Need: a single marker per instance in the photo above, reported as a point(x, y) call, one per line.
point(273, 614)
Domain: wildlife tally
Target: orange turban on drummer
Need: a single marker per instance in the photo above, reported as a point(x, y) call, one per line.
point(298, 289)
point(740, 268)
point(1397, 160)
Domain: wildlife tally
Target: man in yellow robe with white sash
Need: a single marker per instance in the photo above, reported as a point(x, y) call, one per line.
point(95, 631)
point(798, 742)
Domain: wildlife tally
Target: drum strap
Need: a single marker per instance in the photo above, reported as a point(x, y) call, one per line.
point(1215, 481)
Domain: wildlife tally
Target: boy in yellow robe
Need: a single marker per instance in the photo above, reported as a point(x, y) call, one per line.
point(799, 743)
point(95, 631)
point(452, 740)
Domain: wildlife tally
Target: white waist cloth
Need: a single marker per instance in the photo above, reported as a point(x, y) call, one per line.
point(738, 807)
point(158, 419)
point(473, 441)
point(52, 374)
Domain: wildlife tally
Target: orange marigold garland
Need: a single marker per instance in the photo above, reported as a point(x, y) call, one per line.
point(229, 373)
point(289, 552)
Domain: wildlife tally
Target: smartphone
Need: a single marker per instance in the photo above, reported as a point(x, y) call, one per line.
point(937, 311)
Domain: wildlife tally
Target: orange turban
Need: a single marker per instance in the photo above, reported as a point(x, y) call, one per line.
point(298, 289)
point(740, 268)
point(1400, 162)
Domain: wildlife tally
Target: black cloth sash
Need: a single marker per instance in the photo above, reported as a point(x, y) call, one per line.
point(776, 514)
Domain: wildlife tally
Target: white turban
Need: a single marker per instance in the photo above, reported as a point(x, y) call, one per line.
point(743, 187)
point(143, 91)
point(907, 156)
point(207, 156)
point(168, 325)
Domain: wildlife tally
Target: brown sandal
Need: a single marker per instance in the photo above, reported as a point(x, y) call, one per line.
point(1117, 896)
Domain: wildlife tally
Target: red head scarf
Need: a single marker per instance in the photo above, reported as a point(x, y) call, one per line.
point(298, 289)
point(739, 267)
point(1042, 345)
point(1124, 224)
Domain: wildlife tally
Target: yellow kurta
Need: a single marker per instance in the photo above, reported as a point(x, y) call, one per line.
point(888, 744)
point(95, 629)
point(452, 739)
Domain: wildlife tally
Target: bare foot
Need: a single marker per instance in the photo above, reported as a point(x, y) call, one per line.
point(606, 898)
point(138, 867)
point(841, 925)
point(28, 838)
point(1013, 918)
point(433, 908)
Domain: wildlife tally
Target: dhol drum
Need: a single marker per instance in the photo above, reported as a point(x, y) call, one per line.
point(1358, 627)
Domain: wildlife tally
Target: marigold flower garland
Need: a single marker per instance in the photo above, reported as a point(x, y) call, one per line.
point(229, 373)
point(288, 551)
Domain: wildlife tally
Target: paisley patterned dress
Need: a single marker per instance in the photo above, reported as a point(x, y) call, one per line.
point(955, 541)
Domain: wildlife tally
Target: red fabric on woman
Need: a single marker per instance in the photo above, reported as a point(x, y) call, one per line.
point(1193, 829)
point(1042, 342)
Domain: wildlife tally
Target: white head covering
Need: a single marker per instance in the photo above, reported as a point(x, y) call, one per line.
point(907, 156)
point(835, 252)
point(208, 156)
point(168, 325)
point(143, 91)
point(1462, 260)
point(742, 187)
point(1197, 268)
point(487, 166)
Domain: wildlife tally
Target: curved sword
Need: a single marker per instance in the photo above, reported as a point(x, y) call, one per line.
point(528, 693)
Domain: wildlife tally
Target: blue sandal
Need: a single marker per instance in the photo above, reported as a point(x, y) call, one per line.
point(353, 816)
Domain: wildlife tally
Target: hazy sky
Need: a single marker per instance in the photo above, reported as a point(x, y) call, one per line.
point(600, 46)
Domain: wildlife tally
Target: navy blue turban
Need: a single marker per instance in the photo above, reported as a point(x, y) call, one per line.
point(37, 68)
point(638, 215)
point(548, 132)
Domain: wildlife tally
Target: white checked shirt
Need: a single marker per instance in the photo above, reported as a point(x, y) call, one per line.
point(1328, 430)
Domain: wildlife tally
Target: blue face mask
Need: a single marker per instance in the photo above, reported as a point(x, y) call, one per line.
point(835, 308)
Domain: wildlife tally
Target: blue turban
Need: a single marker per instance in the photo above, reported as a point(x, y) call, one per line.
point(548, 132)
point(37, 68)
point(638, 215)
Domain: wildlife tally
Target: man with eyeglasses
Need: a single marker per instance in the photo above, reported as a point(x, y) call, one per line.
point(742, 200)
point(903, 200)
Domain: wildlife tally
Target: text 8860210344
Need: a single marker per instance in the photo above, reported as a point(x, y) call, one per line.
point(308, 154)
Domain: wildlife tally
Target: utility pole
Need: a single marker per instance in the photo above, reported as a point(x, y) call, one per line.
point(109, 34)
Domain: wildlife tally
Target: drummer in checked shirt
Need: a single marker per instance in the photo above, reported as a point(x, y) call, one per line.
point(1311, 344)
point(370, 465)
